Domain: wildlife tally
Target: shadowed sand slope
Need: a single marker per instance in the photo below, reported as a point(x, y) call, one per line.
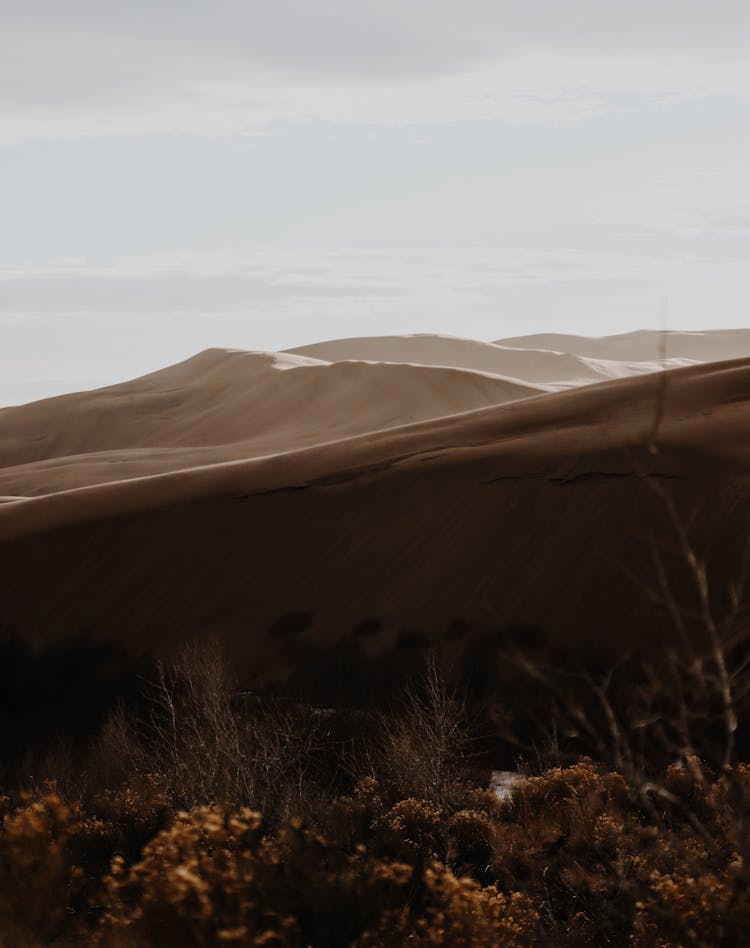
point(224, 405)
point(644, 345)
point(533, 515)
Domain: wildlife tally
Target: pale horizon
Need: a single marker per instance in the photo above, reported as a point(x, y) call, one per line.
point(266, 175)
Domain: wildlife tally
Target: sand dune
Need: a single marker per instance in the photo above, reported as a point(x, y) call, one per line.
point(224, 405)
point(367, 550)
point(536, 364)
point(539, 366)
point(644, 345)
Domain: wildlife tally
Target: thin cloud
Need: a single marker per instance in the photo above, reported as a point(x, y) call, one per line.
point(228, 68)
point(244, 280)
point(699, 206)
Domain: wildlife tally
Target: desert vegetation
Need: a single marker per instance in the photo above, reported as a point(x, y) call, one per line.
point(200, 815)
point(193, 812)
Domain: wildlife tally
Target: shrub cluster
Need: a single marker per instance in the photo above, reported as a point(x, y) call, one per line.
point(575, 856)
point(204, 816)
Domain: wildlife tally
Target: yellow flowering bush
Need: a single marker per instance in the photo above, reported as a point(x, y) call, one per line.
point(412, 830)
point(576, 857)
point(36, 872)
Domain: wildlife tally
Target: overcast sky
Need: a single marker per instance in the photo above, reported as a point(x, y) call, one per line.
point(267, 173)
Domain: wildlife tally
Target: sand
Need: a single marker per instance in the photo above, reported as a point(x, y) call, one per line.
point(229, 405)
point(643, 345)
point(533, 512)
point(533, 360)
point(225, 405)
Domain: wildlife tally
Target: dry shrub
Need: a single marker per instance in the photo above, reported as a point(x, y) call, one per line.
point(418, 831)
point(655, 864)
point(202, 881)
point(459, 912)
point(425, 742)
point(711, 908)
point(196, 736)
point(284, 747)
point(215, 877)
point(351, 819)
point(37, 875)
point(134, 812)
point(576, 857)
point(54, 855)
point(117, 751)
point(570, 788)
point(412, 831)
point(472, 840)
point(561, 807)
point(213, 747)
point(454, 912)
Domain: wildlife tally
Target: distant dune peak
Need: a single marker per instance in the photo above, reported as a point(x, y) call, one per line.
point(226, 404)
point(553, 361)
point(645, 345)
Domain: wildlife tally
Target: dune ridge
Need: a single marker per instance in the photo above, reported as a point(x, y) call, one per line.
point(645, 345)
point(555, 368)
point(225, 405)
